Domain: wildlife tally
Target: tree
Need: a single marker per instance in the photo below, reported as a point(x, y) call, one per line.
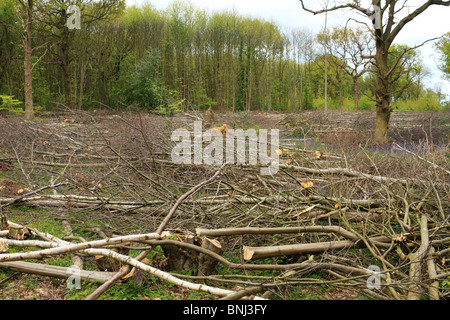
point(443, 47)
point(10, 32)
point(27, 21)
point(53, 14)
point(352, 48)
point(389, 19)
point(407, 73)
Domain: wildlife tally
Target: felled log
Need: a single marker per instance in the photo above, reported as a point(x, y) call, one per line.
point(416, 259)
point(295, 249)
point(303, 248)
point(281, 230)
point(55, 271)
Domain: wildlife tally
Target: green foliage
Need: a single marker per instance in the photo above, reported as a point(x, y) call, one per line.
point(11, 106)
point(408, 70)
point(168, 110)
point(161, 60)
point(307, 98)
point(428, 101)
point(144, 85)
point(366, 103)
point(443, 48)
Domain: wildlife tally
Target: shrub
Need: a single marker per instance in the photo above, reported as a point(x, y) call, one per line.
point(366, 103)
point(144, 86)
point(11, 106)
point(428, 101)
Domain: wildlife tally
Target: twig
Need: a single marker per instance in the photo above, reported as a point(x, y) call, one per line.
point(143, 254)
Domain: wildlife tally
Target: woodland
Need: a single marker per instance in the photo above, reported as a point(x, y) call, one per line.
point(189, 59)
point(92, 206)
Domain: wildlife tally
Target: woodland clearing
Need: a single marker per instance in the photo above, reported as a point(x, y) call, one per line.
point(99, 190)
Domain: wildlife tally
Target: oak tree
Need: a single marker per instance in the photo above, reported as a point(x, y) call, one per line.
point(388, 18)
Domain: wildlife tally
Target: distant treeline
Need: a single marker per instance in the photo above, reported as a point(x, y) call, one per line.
point(188, 58)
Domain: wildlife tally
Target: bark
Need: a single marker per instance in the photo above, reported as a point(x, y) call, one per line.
point(250, 230)
point(382, 122)
point(28, 87)
point(356, 92)
point(190, 260)
point(206, 264)
point(65, 66)
point(432, 273)
point(382, 90)
point(62, 248)
point(160, 274)
point(243, 293)
point(180, 260)
point(303, 248)
point(54, 271)
point(416, 258)
point(252, 253)
point(384, 37)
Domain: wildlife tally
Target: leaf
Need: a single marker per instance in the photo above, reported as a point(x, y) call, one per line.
point(279, 152)
point(318, 155)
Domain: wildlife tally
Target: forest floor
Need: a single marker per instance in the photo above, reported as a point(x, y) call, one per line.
point(126, 157)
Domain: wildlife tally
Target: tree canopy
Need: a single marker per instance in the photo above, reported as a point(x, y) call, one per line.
point(186, 57)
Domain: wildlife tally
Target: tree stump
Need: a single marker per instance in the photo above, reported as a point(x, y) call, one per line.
point(186, 260)
point(206, 264)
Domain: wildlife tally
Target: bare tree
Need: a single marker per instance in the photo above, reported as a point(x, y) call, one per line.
point(351, 47)
point(388, 18)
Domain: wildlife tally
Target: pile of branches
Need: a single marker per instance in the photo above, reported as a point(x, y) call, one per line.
point(373, 227)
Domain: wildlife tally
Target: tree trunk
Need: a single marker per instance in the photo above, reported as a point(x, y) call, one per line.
point(356, 93)
point(67, 84)
point(28, 88)
point(65, 64)
point(190, 260)
point(382, 124)
point(382, 91)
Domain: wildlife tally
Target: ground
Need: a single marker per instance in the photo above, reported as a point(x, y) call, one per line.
point(32, 153)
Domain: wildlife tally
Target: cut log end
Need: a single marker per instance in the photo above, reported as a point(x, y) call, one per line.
point(248, 253)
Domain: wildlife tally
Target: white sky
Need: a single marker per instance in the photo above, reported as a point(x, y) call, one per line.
point(289, 14)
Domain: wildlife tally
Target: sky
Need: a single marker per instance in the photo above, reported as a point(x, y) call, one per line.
point(288, 14)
